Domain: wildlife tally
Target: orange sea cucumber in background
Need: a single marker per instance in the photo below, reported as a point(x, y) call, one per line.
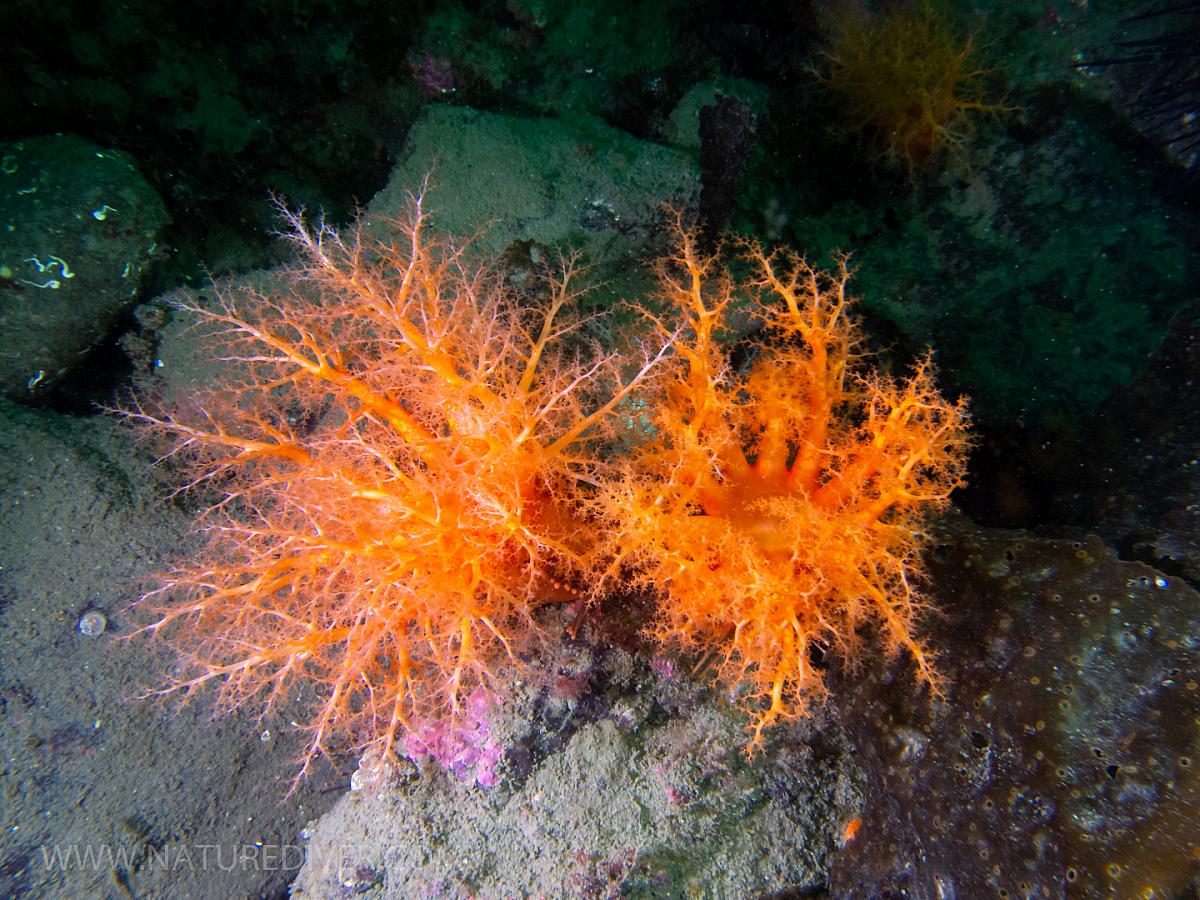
point(780, 509)
point(393, 449)
point(906, 81)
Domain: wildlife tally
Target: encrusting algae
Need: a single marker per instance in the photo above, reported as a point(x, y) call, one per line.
point(408, 461)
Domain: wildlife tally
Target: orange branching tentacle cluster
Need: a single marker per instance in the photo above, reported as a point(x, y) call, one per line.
point(907, 82)
point(395, 446)
point(780, 509)
point(404, 456)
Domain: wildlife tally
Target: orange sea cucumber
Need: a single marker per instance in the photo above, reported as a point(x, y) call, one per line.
point(907, 83)
point(394, 447)
point(781, 509)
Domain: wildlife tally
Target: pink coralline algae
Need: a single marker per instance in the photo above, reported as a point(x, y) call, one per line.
point(463, 746)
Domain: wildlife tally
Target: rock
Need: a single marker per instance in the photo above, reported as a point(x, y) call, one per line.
point(642, 791)
point(556, 182)
point(80, 226)
point(1060, 760)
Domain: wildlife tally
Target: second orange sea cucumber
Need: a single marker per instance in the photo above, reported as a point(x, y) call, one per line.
point(780, 509)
